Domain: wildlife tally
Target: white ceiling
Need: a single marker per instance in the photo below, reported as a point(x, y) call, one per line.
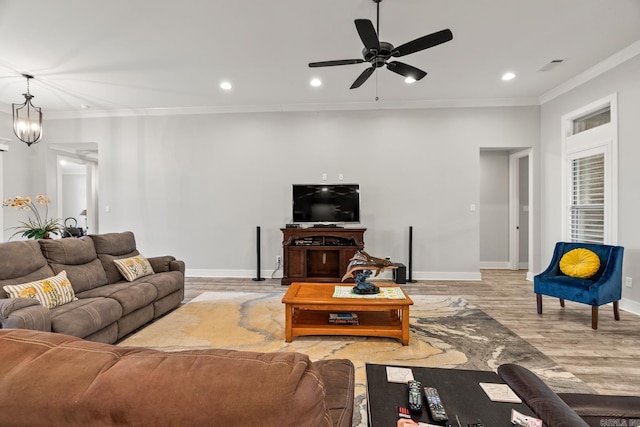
point(128, 55)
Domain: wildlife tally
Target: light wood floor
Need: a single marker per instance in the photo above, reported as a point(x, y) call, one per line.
point(607, 359)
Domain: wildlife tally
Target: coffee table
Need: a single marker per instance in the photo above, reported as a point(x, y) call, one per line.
point(459, 391)
point(307, 308)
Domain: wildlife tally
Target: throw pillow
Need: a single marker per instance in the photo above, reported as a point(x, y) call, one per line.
point(133, 268)
point(580, 263)
point(51, 292)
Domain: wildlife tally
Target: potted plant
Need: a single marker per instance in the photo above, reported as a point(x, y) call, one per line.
point(36, 226)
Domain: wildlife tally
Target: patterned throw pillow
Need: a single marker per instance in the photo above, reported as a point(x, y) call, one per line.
point(51, 292)
point(580, 262)
point(133, 268)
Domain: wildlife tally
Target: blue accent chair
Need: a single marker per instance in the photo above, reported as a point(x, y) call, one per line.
point(602, 288)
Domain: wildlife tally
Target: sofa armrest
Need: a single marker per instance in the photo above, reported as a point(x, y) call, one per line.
point(338, 379)
point(603, 407)
point(166, 263)
point(9, 305)
point(24, 313)
point(547, 405)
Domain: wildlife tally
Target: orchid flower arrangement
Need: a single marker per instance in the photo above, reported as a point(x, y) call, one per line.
point(36, 226)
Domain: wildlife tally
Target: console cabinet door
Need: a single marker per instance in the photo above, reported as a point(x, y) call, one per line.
point(297, 262)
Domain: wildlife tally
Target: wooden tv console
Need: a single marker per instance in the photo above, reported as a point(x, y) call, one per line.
point(318, 254)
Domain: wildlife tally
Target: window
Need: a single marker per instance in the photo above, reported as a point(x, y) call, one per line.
point(592, 120)
point(586, 204)
point(589, 173)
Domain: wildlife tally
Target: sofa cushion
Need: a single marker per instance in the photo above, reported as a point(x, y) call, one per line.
point(134, 267)
point(112, 246)
point(130, 296)
point(580, 263)
point(85, 316)
point(165, 283)
point(22, 262)
point(116, 244)
point(68, 251)
point(51, 292)
point(78, 258)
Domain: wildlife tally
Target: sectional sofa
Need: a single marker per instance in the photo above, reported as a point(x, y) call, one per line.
point(41, 385)
point(102, 305)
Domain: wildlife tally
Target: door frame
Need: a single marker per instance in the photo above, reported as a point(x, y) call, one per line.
point(514, 208)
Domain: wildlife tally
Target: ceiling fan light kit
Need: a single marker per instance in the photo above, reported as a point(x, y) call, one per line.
point(378, 53)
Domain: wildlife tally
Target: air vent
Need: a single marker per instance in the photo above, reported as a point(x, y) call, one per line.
point(553, 64)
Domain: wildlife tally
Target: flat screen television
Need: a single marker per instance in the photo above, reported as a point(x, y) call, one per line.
point(326, 203)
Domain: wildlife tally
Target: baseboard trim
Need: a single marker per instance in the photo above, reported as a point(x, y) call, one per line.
point(630, 306)
point(495, 265)
point(246, 274)
point(501, 265)
point(236, 274)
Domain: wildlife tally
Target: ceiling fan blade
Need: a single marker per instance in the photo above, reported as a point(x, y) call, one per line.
point(422, 43)
point(368, 34)
point(406, 70)
point(362, 78)
point(336, 62)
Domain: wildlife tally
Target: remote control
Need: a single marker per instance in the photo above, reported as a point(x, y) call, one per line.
point(435, 404)
point(403, 413)
point(415, 396)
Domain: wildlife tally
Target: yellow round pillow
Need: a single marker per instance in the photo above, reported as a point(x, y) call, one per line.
point(580, 262)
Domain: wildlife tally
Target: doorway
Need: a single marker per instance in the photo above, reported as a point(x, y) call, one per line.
point(505, 206)
point(77, 185)
point(520, 220)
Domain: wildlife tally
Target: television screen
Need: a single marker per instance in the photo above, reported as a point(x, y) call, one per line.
point(326, 203)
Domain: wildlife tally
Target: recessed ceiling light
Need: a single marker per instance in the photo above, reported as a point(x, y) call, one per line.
point(508, 76)
point(315, 82)
point(225, 85)
point(409, 80)
point(85, 106)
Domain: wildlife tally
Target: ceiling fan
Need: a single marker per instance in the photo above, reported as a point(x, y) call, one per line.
point(377, 53)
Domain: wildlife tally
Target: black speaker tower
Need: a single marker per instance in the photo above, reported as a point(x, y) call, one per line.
point(410, 279)
point(258, 278)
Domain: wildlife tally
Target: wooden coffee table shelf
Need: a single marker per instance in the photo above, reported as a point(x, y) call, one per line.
point(307, 308)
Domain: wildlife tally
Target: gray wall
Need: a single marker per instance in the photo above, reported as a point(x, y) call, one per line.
point(197, 186)
point(17, 176)
point(625, 81)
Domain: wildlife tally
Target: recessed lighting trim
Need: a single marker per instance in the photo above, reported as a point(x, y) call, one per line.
point(315, 82)
point(225, 85)
point(508, 76)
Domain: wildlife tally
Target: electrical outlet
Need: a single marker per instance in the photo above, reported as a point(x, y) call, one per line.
point(278, 259)
point(628, 282)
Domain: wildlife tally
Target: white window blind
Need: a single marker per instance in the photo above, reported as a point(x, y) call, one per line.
point(587, 199)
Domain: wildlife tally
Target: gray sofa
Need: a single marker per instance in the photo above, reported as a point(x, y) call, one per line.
point(107, 307)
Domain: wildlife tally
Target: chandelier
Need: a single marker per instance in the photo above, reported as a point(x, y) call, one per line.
point(27, 119)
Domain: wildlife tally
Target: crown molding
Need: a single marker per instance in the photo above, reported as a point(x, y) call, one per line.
point(279, 108)
point(600, 68)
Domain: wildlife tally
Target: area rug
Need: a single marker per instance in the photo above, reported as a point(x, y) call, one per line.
point(446, 332)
